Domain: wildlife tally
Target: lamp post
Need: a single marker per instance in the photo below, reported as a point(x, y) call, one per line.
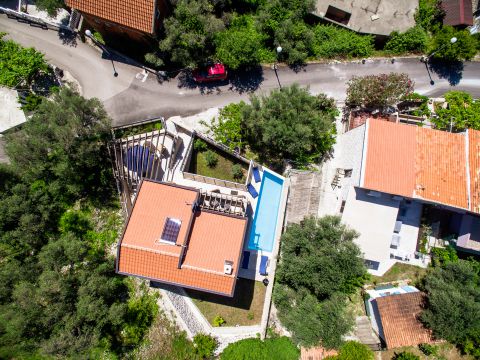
point(275, 66)
point(426, 59)
point(89, 34)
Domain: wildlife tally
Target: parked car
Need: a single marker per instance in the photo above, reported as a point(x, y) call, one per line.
point(215, 72)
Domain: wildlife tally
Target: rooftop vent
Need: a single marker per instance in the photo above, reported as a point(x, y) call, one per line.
point(228, 267)
point(170, 231)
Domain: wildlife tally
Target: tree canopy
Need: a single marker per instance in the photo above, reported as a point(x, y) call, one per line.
point(290, 124)
point(353, 350)
point(18, 64)
point(378, 91)
point(453, 306)
point(464, 48)
point(190, 32)
point(59, 294)
point(241, 44)
point(462, 112)
point(278, 348)
point(320, 266)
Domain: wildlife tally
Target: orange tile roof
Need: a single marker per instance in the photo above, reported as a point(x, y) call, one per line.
point(207, 238)
point(423, 163)
point(228, 234)
point(390, 161)
point(399, 318)
point(137, 14)
point(474, 167)
point(441, 170)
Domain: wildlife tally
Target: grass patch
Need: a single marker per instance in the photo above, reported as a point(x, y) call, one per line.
point(245, 308)
point(356, 304)
point(222, 170)
point(400, 271)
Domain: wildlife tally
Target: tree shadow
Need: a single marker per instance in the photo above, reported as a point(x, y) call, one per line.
point(185, 80)
point(451, 71)
point(246, 80)
point(68, 37)
point(297, 67)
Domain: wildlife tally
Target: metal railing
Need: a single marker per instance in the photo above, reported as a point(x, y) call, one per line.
point(32, 19)
point(214, 181)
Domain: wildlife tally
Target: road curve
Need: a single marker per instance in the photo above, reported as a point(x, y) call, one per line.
point(129, 99)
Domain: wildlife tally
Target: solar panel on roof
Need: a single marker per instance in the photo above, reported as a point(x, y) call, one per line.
point(171, 230)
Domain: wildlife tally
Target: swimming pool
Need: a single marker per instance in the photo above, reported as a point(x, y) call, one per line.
point(264, 225)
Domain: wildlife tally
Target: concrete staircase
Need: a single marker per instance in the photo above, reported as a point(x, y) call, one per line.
point(365, 334)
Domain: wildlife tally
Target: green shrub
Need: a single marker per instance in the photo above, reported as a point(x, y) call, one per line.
point(200, 145)
point(353, 350)
point(428, 349)
point(330, 41)
point(464, 48)
point(153, 60)
point(31, 102)
point(97, 36)
point(218, 321)
point(429, 15)
point(414, 40)
point(278, 348)
point(443, 256)
point(75, 221)
point(237, 172)
point(250, 316)
point(405, 355)
point(211, 158)
point(205, 345)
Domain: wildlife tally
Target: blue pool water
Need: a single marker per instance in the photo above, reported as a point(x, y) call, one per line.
point(264, 225)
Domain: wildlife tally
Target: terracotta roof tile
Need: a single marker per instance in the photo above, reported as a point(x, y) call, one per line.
point(474, 167)
point(417, 162)
point(209, 238)
point(137, 14)
point(214, 239)
point(390, 161)
point(164, 268)
point(441, 173)
point(399, 318)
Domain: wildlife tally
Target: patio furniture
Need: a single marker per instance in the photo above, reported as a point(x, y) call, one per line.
point(252, 191)
point(263, 265)
point(246, 259)
point(398, 226)
point(256, 174)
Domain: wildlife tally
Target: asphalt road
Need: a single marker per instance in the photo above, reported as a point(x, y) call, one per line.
point(129, 99)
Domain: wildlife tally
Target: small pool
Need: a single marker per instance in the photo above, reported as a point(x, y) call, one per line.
point(264, 225)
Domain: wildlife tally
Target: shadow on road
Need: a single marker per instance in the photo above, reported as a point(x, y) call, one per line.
point(68, 37)
point(241, 81)
point(246, 80)
point(451, 71)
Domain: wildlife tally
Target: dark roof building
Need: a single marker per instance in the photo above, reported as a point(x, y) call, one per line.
point(458, 13)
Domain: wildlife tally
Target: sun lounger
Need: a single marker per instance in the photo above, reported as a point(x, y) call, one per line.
point(263, 265)
point(246, 259)
point(256, 174)
point(252, 191)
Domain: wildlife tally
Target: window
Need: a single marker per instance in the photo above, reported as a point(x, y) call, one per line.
point(170, 231)
point(372, 265)
point(338, 15)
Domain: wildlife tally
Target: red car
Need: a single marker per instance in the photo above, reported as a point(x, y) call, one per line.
point(215, 72)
